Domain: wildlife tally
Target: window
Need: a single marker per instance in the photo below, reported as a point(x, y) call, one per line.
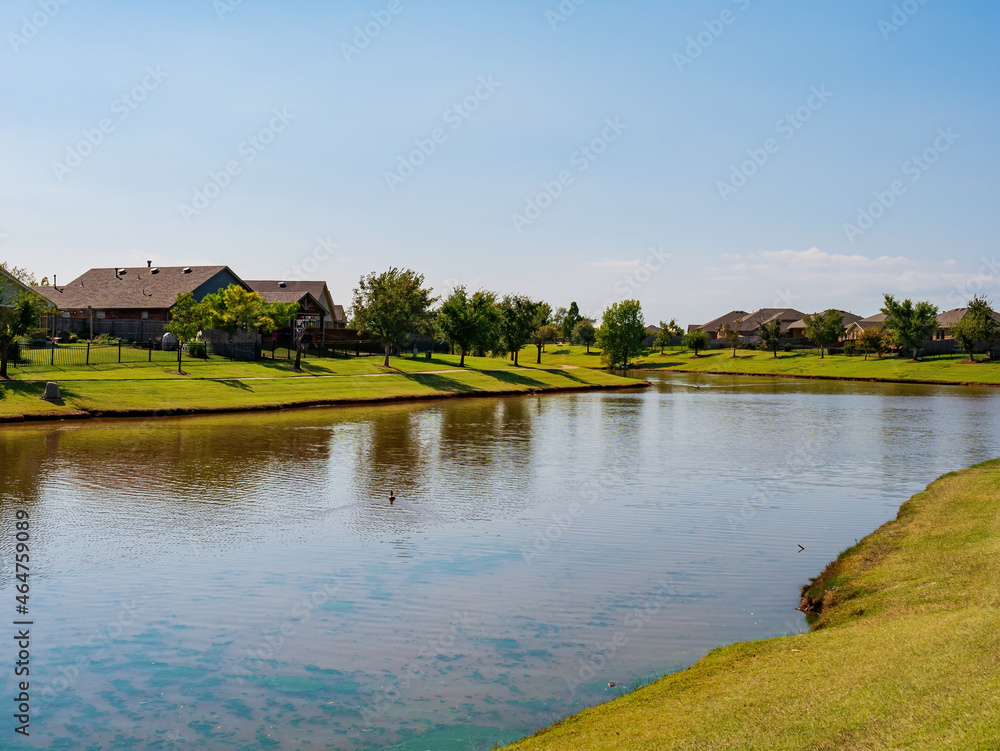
point(100, 315)
point(65, 314)
point(145, 315)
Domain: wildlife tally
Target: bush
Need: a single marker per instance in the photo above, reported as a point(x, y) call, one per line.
point(104, 339)
point(197, 349)
point(850, 347)
point(72, 338)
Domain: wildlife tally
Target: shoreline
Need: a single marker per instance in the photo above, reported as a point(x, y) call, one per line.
point(907, 610)
point(814, 377)
point(105, 414)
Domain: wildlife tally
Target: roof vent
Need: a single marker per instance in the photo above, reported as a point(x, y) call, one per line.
point(282, 284)
point(187, 269)
point(149, 264)
point(154, 271)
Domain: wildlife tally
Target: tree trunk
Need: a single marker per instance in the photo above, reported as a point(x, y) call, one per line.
point(661, 351)
point(539, 360)
point(3, 362)
point(915, 349)
point(180, 348)
point(461, 362)
point(298, 352)
point(515, 358)
point(386, 363)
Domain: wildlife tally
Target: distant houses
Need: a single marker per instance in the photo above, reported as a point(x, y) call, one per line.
point(135, 303)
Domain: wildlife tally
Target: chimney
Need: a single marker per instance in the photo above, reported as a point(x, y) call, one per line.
point(54, 283)
point(149, 264)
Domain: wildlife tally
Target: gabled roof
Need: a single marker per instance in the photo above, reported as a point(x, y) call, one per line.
point(751, 321)
point(11, 287)
point(947, 319)
point(274, 290)
point(877, 320)
point(132, 288)
point(716, 323)
point(338, 314)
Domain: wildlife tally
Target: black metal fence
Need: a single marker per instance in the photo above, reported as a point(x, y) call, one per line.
point(87, 353)
point(133, 330)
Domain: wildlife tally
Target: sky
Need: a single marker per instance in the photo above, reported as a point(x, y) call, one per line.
point(697, 155)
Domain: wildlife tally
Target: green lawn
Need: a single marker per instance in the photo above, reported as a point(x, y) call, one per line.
point(903, 655)
point(234, 386)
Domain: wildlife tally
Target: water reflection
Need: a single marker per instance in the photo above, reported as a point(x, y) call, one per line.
point(281, 599)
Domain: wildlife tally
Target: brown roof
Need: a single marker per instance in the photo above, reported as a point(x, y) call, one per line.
point(949, 318)
point(133, 288)
point(750, 322)
point(716, 323)
point(11, 287)
point(274, 290)
point(338, 313)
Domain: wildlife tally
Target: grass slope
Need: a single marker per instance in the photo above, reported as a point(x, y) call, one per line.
point(903, 653)
point(258, 387)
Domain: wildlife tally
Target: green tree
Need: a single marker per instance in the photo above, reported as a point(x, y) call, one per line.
point(772, 335)
point(391, 305)
point(187, 319)
point(622, 335)
point(824, 329)
point(673, 327)
point(731, 335)
point(967, 334)
point(20, 313)
point(663, 338)
point(911, 325)
point(570, 320)
point(517, 322)
point(982, 313)
point(697, 339)
point(584, 333)
point(544, 330)
point(871, 339)
point(23, 275)
point(469, 321)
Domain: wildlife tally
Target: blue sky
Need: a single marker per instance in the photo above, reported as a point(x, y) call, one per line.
point(505, 97)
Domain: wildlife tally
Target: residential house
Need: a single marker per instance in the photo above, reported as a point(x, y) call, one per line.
point(713, 326)
point(855, 328)
point(949, 318)
point(797, 329)
point(316, 307)
point(10, 288)
point(748, 324)
point(131, 303)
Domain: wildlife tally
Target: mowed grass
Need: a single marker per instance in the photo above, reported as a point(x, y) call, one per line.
point(239, 391)
point(904, 655)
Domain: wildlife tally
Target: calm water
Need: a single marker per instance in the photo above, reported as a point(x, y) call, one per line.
point(243, 581)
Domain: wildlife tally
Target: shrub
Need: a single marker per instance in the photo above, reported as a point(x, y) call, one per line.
point(197, 349)
point(104, 339)
point(850, 347)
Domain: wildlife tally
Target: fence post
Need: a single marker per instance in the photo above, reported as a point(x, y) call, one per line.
point(151, 350)
point(119, 351)
point(88, 352)
point(52, 357)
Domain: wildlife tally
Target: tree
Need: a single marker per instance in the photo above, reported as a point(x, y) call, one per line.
point(469, 322)
point(559, 317)
point(910, 324)
point(824, 329)
point(871, 339)
point(662, 339)
point(25, 277)
point(697, 339)
point(391, 304)
point(731, 335)
point(17, 318)
point(570, 320)
point(988, 328)
point(544, 330)
point(517, 321)
point(771, 334)
point(236, 308)
point(584, 333)
point(967, 334)
point(623, 333)
point(673, 327)
point(187, 319)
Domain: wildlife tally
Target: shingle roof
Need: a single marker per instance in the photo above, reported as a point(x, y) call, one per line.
point(947, 319)
point(274, 290)
point(136, 288)
point(716, 323)
point(338, 313)
point(11, 287)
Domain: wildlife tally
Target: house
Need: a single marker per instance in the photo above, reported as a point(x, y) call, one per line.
point(10, 288)
point(316, 306)
point(855, 328)
point(713, 326)
point(949, 318)
point(132, 303)
point(797, 329)
point(749, 323)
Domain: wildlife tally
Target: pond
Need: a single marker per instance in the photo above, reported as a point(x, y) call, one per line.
point(244, 582)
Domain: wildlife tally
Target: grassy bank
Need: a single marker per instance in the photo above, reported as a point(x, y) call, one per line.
point(223, 386)
point(903, 652)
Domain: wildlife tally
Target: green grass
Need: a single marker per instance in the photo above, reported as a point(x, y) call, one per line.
point(904, 653)
point(221, 385)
